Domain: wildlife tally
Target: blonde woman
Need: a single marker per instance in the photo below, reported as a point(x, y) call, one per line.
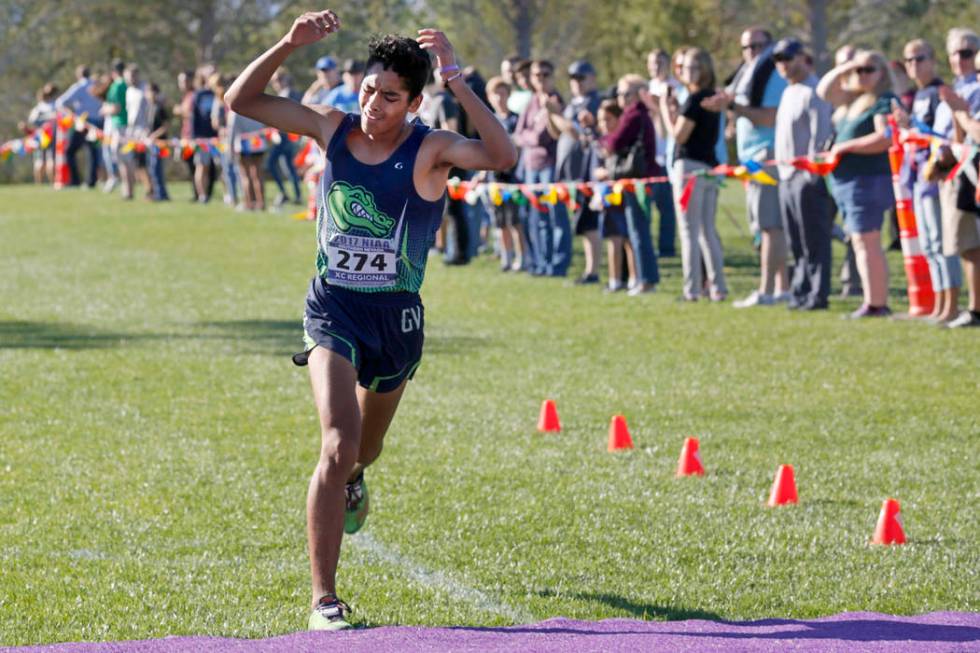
point(861, 94)
point(695, 132)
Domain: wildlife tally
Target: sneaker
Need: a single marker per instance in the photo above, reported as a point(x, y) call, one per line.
point(586, 279)
point(964, 319)
point(110, 185)
point(641, 289)
point(357, 505)
point(614, 286)
point(280, 201)
point(782, 298)
point(756, 298)
point(867, 310)
point(717, 296)
point(330, 614)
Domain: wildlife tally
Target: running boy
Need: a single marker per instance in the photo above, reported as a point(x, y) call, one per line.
point(381, 200)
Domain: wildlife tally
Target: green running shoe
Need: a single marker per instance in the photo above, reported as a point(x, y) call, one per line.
point(330, 614)
point(357, 505)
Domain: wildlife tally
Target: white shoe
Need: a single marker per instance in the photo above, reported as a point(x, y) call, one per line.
point(641, 289)
point(754, 299)
point(110, 185)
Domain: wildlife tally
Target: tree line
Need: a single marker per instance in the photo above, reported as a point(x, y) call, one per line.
point(43, 40)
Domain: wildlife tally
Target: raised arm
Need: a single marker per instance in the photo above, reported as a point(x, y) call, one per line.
point(830, 89)
point(247, 95)
point(493, 150)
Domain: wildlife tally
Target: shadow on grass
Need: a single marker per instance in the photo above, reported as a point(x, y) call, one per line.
point(645, 611)
point(62, 335)
point(267, 337)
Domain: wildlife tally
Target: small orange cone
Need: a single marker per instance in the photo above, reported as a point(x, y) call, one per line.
point(619, 434)
point(783, 487)
point(548, 419)
point(690, 461)
point(889, 529)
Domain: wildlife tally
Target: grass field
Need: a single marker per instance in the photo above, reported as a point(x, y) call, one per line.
point(156, 442)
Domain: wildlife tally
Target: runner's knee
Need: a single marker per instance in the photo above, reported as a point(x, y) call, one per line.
point(338, 452)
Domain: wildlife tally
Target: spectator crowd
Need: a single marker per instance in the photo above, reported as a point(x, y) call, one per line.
point(670, 127)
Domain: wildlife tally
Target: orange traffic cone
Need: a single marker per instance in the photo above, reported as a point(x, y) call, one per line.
point(783, 487)
point(889, 529)
point(690, 462)
point(619, 434)
point(548, 419)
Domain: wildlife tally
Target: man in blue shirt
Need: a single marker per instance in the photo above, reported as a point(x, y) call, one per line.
point(752, 98)
point(78, 99)
point(344, 96)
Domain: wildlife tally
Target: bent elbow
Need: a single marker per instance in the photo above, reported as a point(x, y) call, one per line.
point(233, 101)
point(508, 160)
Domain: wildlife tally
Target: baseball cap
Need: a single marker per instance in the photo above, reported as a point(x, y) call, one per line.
point(787, 48)
point(580, 68)
point(353, 66)
point(326, 63)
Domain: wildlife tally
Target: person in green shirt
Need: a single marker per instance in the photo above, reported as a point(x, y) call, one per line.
point(861, 92)
point(114, 109)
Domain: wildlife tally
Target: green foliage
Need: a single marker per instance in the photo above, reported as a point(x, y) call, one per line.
point(156, 442)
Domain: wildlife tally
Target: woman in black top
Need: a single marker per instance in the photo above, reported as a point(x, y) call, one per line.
point(695, 130)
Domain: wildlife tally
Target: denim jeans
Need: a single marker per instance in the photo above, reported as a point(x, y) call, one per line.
point(157, 175)
point(944, 271)
point(283, 150)
point(230, 173)
point(549, 231)
point(663, 198)
point(638, 226)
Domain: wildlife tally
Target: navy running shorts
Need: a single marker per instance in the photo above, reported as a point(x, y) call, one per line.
point(380, 333)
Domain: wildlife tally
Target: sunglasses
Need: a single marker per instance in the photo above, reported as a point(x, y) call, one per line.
point(965, 53)
point(865, 70)
point(754, 46)
point(783, 58)
point(919, 58)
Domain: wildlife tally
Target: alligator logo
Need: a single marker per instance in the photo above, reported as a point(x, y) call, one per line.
point(353, 207)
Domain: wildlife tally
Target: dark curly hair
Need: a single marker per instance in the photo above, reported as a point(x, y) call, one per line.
point(405, 57)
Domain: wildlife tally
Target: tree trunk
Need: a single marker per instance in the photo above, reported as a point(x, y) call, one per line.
point(524, 16)
point(818, 35)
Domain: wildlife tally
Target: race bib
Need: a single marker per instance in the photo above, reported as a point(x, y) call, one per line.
point(361, 262)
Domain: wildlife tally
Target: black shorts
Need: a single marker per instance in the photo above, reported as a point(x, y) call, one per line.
point(380, 333)
point(506, 215)
point(586, 220)
point(612, 222)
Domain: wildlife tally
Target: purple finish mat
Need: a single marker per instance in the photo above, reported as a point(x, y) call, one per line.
point(850, 631)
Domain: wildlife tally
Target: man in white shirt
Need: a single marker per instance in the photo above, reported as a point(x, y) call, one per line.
point(803, 128)
point(137, 128)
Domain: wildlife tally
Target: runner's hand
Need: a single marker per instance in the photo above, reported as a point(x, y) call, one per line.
point(436, 41)
point(311, 27)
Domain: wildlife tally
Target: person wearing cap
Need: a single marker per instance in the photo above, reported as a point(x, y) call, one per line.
point(344, 96)
point(803, 128)
point(517, 72)
point(327, 79)
point(573, 154)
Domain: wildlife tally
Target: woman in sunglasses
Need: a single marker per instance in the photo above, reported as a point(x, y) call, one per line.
point(861, 93)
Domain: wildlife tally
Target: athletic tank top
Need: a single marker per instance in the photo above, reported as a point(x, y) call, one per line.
point(373, 229)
